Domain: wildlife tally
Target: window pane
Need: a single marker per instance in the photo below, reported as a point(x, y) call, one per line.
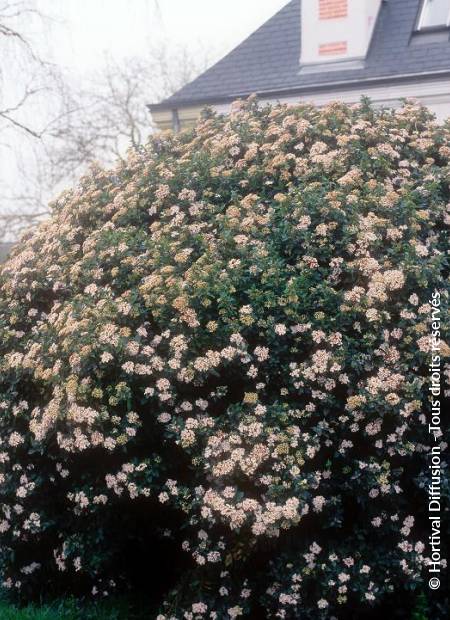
point(435, 13)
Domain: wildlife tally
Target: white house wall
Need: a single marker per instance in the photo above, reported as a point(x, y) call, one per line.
point(435, 95)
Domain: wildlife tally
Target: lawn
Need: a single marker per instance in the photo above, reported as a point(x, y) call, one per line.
point(69, 610)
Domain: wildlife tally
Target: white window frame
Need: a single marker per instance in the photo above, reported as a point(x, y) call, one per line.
point(422, 13)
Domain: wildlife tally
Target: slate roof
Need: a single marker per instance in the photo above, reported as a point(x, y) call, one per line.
point(268, 60)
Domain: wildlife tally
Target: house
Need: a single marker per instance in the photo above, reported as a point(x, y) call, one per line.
point(5, 249)
point(323, 50)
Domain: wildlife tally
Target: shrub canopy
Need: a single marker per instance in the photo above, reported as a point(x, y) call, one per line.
point(213, 383)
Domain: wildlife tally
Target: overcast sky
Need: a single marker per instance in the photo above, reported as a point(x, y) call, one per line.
point(85, 30)
point(78, 34)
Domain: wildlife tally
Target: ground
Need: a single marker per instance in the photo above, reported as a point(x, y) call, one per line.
point(70, 609)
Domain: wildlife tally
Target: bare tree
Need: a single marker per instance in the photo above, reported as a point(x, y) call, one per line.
point(27, 81)
point(107, 113)
point(15, 45)
point(96, 118)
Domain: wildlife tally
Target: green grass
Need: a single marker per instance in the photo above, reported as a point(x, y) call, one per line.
point(70, 609)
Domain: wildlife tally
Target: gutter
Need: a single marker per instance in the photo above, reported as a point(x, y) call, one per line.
point(337, 85)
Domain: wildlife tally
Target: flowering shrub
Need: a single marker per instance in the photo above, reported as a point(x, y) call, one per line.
point(214, 369)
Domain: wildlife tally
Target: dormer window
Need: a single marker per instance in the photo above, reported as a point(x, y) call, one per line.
point(434, 14)
point(336, 33)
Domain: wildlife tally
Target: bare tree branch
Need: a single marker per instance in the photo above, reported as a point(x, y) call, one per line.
point(55, 124)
